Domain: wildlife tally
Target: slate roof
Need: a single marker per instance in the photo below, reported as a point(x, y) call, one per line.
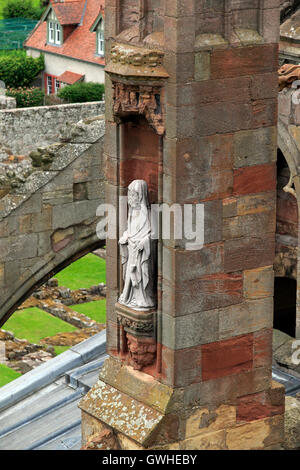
point(81, 43)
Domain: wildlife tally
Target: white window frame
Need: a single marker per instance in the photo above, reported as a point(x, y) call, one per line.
point(57, 85)
point(49, 85)
point(57, 34)
point(51, 37)
point(100, 38)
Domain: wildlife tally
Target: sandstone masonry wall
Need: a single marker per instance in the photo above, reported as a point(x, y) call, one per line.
point(22, 130)
point(50, 219)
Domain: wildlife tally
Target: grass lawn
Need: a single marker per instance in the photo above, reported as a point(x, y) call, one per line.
point(95, 310)
point(60, 349)
point(85, 272)
point(7, 375)
point(34, 324)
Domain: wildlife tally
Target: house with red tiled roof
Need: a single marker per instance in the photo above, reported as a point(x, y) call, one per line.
point(70, 35)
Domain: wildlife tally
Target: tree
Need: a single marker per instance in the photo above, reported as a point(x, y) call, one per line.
point(22, 9)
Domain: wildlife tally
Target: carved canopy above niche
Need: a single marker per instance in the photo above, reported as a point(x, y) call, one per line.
point(132, 61)
point(138, 76)
point(142, 100)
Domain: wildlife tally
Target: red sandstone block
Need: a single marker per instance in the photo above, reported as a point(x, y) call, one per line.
point(259, 90)
point(264, 113)
point(249, 253)
point(227, 357)
point(135, 168)
point(254, 179)
point(262, 348)
point(237, 62)
point(233, 90)
point(257, 406)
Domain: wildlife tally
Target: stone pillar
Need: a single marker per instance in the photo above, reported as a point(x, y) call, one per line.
point(204, 80)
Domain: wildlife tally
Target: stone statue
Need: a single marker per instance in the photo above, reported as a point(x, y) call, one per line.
point(137, 251)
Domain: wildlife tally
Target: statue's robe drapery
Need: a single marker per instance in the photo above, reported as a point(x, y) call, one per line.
point(135, 248)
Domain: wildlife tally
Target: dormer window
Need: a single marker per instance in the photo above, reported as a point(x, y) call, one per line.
point(54, 29)
point(54, 33)
point(100, 37)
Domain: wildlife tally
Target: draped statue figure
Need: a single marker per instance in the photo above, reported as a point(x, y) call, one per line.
point(137, 251)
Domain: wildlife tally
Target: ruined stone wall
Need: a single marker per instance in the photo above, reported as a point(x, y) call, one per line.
point(22, 130)
point(49, 218)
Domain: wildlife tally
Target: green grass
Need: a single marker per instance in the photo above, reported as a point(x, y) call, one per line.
point(60, 349)
point(85, 272)
point(95, 310)
point(7, 375)
point(34, 324)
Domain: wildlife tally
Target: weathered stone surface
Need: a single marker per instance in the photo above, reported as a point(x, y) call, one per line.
point(238, 62)
point(245, 318)
point(206, 293)
point(254, 179)
point(123, 413)
point(25, 129)
point(211, 441)
point(248, 436)
point(43, 230)
point(187, 331)
point(205, 420)
point(259, 283)
point(292, 424)
point(227, 357)
point(202, 66)
point(254, 147)
point(136, 384)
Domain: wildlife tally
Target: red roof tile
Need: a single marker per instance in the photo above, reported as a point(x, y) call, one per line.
point(68, 12)
point(69, 77)
point(81, 43)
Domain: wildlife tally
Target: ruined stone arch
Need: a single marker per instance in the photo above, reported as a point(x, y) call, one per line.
point(50, 220)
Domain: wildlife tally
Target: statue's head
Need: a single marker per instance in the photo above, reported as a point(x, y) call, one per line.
point(138, 194)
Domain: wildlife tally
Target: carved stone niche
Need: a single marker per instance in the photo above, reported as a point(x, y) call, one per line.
point(139, 100)
point(136, 336)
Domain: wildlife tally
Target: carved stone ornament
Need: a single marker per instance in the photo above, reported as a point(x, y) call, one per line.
point(131, 61)
point(142, 100)
point(137, 324)
point(142, 351)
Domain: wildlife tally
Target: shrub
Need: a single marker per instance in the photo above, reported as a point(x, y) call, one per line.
point(82, 92)
point(18, 70)
point(27, 97)
point(22, 9)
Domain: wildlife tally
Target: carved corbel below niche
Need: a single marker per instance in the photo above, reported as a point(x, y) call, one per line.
point(137, 331)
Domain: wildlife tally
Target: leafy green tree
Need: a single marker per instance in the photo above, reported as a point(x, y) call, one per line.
point(22, 9)
point(18, 70)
